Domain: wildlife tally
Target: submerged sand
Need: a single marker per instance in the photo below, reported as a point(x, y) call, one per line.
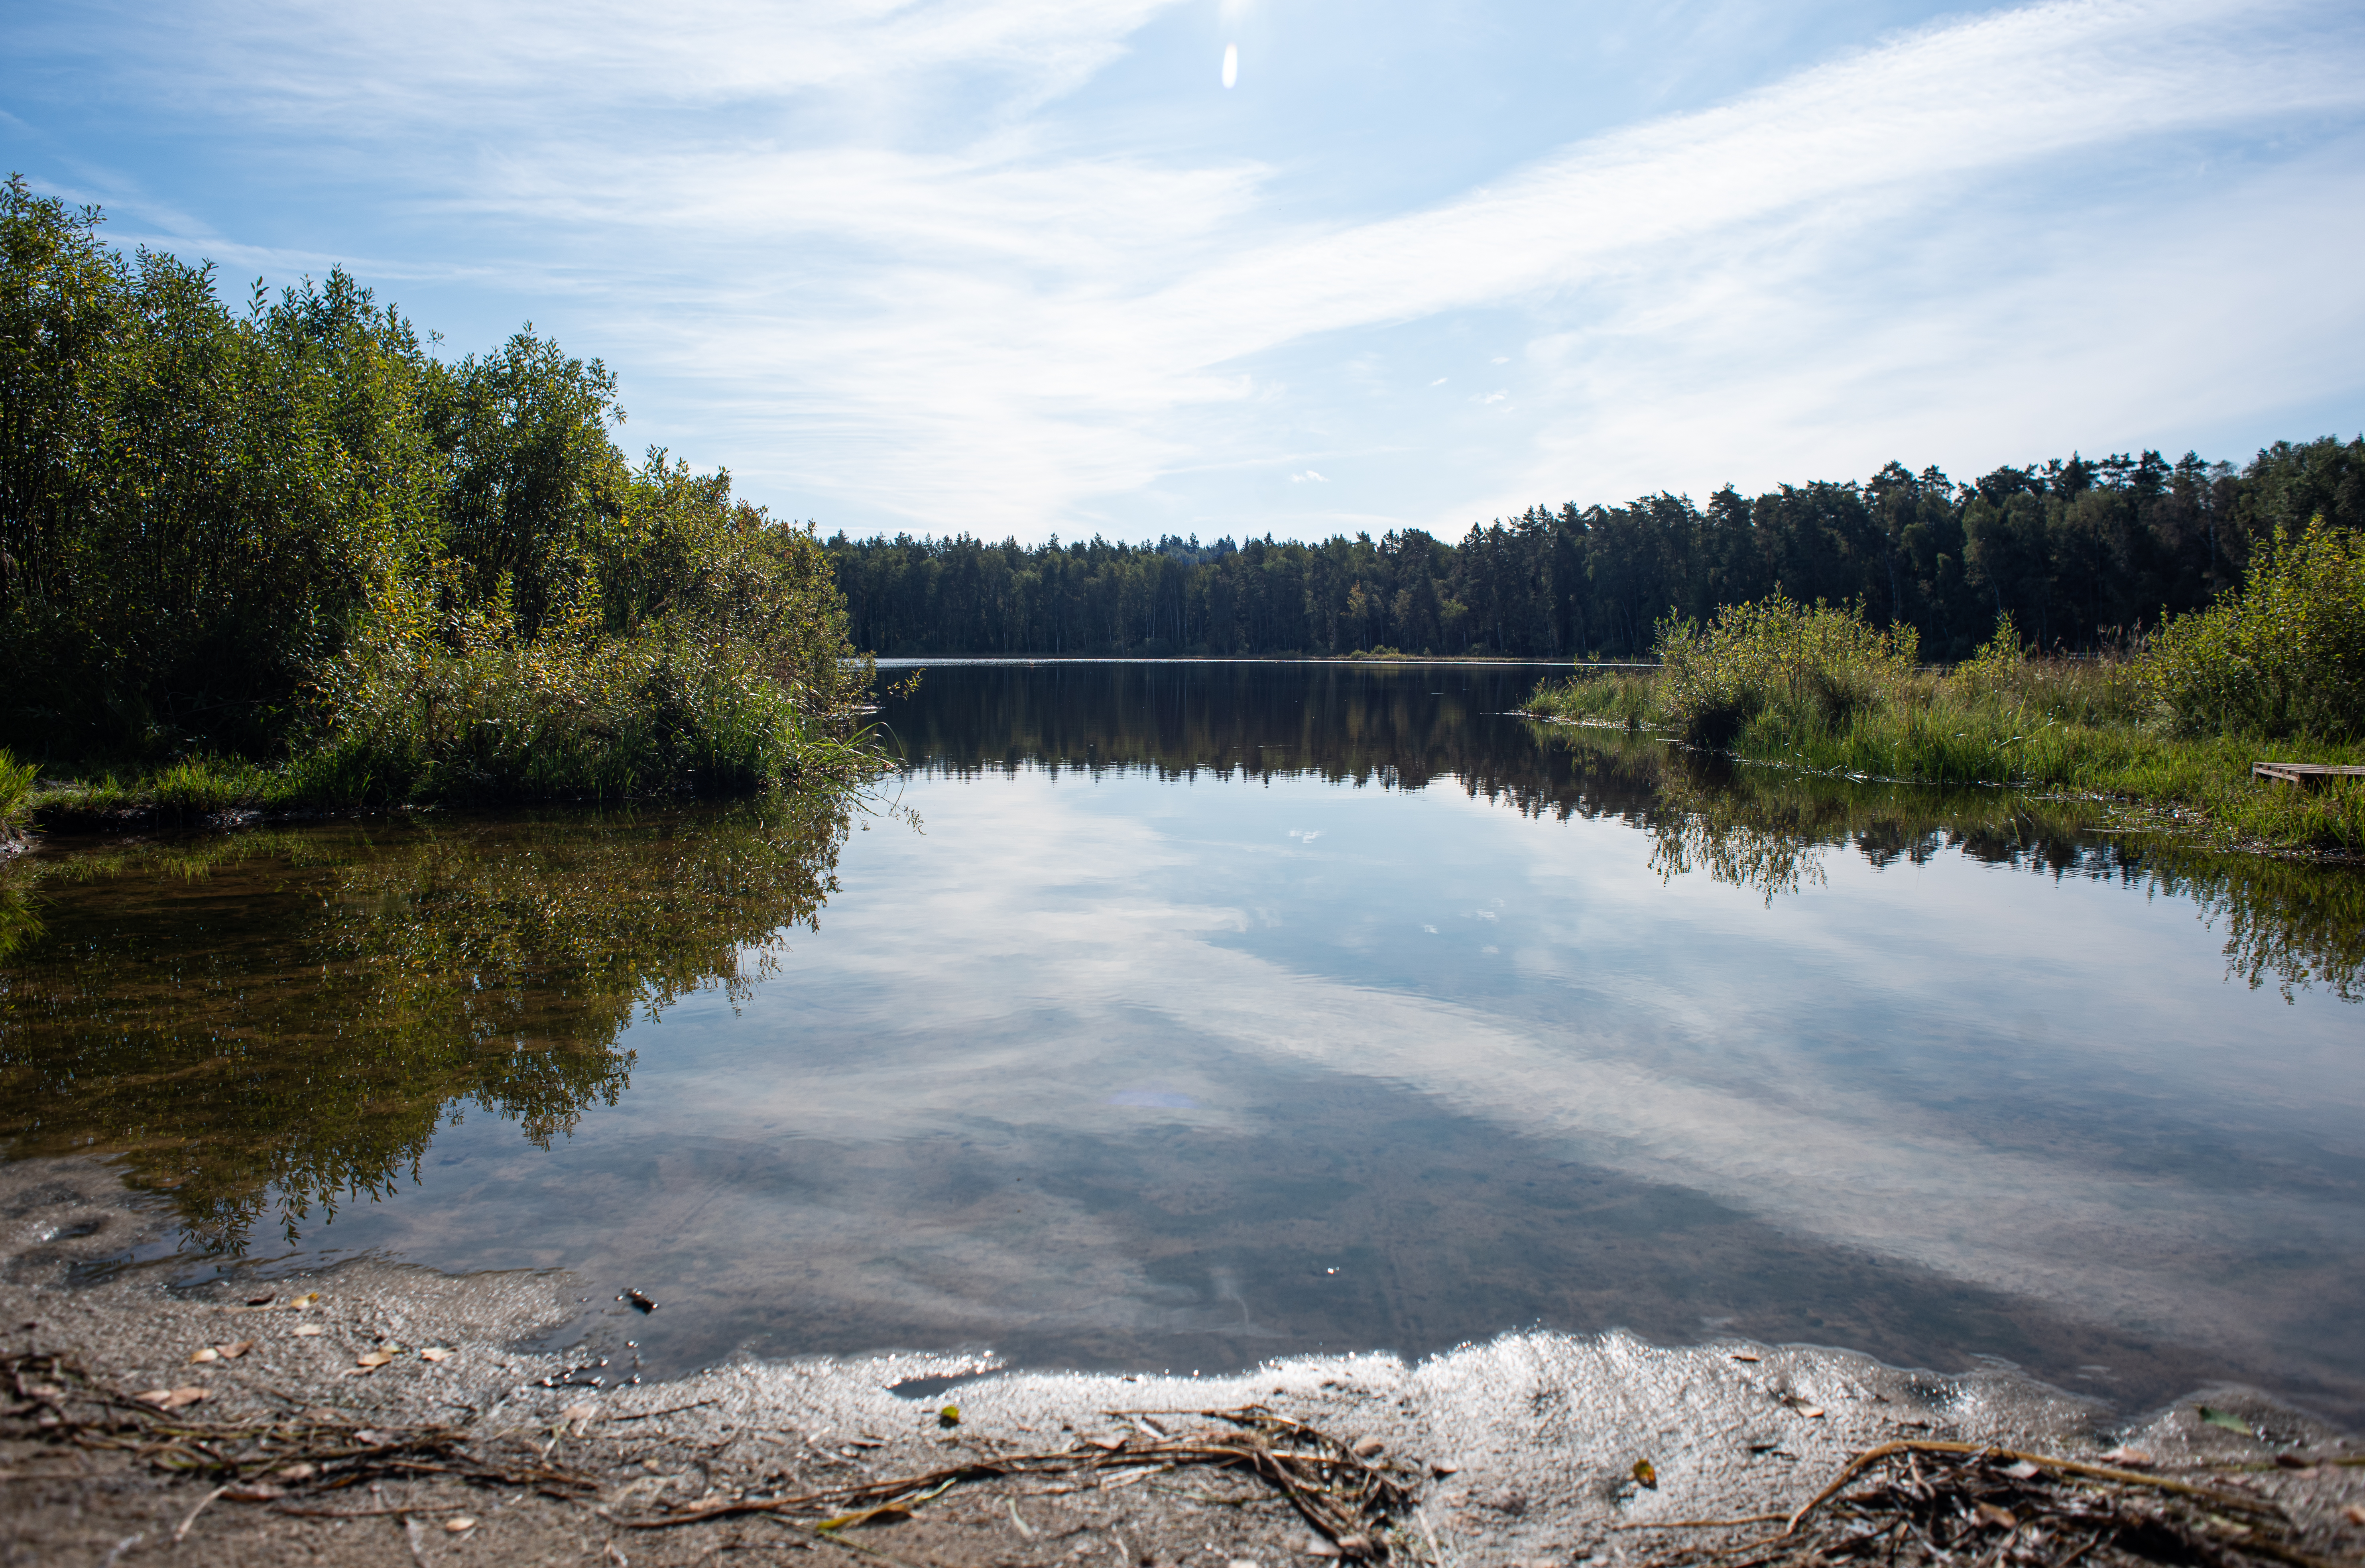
point(1522, 1449)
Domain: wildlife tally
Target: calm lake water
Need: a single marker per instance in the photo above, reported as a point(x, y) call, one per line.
point(1186, 1016)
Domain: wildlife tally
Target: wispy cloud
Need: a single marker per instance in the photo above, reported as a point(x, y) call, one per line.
point(867, 254)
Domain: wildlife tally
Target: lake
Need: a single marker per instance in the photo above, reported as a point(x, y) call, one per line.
point(1182, 1015)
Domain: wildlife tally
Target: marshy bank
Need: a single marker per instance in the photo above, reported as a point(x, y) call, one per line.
point(2275, 672)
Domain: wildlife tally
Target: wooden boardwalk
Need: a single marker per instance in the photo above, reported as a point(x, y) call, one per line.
point(2306, 775)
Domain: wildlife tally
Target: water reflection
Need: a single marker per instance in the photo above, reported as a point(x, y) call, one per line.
point(296, 1013)
point(1209, 981)
point(2287, 925)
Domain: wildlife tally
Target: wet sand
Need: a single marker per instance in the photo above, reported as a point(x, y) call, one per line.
point(1519, 1450)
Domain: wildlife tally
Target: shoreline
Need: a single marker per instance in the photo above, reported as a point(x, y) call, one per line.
point(1527, 1449)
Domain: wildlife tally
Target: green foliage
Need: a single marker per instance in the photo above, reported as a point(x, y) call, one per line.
point(1813, 668)
point(2075, 726)
point(293, 537)
point(193, 502)
point(15, 794)
point(2285, 656)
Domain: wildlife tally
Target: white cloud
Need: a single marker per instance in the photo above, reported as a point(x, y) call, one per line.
point(1046, 364)
point(858, 250)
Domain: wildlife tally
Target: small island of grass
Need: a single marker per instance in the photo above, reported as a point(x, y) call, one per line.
point(2273, 671)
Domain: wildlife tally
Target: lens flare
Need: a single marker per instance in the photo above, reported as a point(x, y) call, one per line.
point(1231, 63)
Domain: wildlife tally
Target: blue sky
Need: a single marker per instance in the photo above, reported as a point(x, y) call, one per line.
point(1029, 266)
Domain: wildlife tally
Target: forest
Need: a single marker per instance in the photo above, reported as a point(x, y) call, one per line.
point(2080, 552)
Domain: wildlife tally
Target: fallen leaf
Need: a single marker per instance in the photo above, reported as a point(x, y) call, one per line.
point(207, 1354)
point(1368, 1447)
point(580, 1412)
point(2355, 1514)
point(252, 1492)
point(459, 1524)
point(2293, 1461)
point(1111, 1444)
point(2023, 1471)
point(1812, 1412)
point(373, 1358)
point(1443, 1468)
point(298, 1471)
point(2003, 1518)
point(1323, 1548)
point(2231, 1422)
point(2129, 1456)
point(232, 1352)
point(433, 1354)
point(171, 1398)
point(308, 1328)
point(1741, 1358)
point(260, 1300)
point(1647, 1473)
point(369, 1439)
point(301, 1301)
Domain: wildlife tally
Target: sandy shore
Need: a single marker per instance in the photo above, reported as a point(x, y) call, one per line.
point(1519, 1451)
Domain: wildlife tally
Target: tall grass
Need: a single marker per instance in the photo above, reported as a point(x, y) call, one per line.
point(15, 795)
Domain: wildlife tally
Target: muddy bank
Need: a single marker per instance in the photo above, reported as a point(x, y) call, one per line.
point(1523, 1449)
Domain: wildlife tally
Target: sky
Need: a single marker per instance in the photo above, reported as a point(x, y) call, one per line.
point(1297, 267)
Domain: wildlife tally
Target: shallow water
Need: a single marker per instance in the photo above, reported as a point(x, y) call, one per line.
point(1186, 1016)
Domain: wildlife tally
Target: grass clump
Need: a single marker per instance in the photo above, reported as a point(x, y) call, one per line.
point(1802, 669)
point(15, 795)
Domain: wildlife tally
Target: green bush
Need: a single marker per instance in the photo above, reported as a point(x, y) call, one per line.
point(2284, 656)
point(228, 540)
point(1814, 669)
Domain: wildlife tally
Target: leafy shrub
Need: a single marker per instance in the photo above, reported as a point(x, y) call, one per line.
point(2284, 656)
point(1813, 667)
point(295, 532)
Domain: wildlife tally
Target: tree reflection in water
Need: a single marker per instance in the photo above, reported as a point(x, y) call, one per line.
point(300, 1009)
point(1418, 726)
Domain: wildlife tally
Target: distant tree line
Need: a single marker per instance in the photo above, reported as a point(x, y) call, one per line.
point(2079, 552)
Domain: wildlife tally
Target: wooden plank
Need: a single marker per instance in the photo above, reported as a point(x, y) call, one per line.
point(2305, 773)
